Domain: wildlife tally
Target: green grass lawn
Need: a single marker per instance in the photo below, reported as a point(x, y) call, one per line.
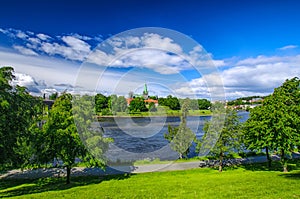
point(250, 181)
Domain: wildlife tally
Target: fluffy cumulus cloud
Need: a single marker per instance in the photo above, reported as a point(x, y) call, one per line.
point(29, 82)
point(42, 36)
point(251, 76)
point(25, 51)
point(72, 47)
point(40, 55)
point(152, 51)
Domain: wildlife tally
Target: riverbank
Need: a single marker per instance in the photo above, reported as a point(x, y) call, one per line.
point(167, 113)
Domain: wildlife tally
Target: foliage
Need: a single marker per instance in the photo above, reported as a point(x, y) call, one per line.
point(61, 137)
point(221, 138)
point(257, 135)
point(170, 101)
point(204, 104)
point(181, 137)
point(117, 104)
point(245, 100)
point(279, 124)
point(101, 103)
point(152, 107)
point(18, 110)
point(53, 96)
point(137, 105)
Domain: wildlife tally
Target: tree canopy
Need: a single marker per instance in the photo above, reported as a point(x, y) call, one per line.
point(18, 112)
point(222, 138)
point(276, 125)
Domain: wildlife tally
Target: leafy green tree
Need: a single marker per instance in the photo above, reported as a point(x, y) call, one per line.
point(181, 137)
point(281, 114)
point(173, 103)
point(101, 103)
point(257, 134)
point(162, 101)
point(227, 136)
point(17, 113)
point(137, 105)
point(122, 104)
point(152, 107)
point(117, 104)
point(113, 104)
point(53, 96)
point(280, 117)
point(194, 104)
point(170, 101)
point(204, 104)
point(61, 136)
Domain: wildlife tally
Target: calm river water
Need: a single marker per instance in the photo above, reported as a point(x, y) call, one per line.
point(137, 138)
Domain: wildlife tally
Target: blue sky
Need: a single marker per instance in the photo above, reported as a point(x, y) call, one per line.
point(253, 44)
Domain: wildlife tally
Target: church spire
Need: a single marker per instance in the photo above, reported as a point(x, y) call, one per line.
point(145, 89)
point(145, 92)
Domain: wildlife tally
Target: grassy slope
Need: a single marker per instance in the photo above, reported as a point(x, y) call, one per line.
point(240, 182)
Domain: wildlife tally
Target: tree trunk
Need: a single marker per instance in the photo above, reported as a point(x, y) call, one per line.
point(283, 161)
point(180, 155)
point(268, 157)
point(68, 174)
point(221, 156)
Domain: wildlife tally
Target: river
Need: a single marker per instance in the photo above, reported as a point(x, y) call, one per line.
point(137, 138)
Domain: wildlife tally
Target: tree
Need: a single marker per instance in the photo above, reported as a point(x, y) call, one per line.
point(173, 103)
point(170, 101)
point(281, 115)
point(181, 137)
point(152, 107)
point(122, 104)
point(101, 103)
point(194, 104)
point(17, 113)
point(53, 96)
point(257, 134)
point(61, 133)
point(137, 105)
point(281, 119)
point(227, 135)
point(204, 104)
point(117, 104)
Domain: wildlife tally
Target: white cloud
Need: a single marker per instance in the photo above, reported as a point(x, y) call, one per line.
point(149, 52)
point(43, 36)
point(288, 47)
point(152, 51)
point(21, 35)
point(81, 37)
point(76, 44)
point(29, 82)
point(75, 49)
point(251, 76)
point(41, 68)
point(25, 51)
point(69, 47)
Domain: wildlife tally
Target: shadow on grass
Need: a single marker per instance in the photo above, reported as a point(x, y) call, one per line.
point(293, 175)
point(293, 164)
point(18, 187)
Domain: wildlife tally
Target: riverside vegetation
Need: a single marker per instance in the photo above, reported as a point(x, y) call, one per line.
point(32, 136)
